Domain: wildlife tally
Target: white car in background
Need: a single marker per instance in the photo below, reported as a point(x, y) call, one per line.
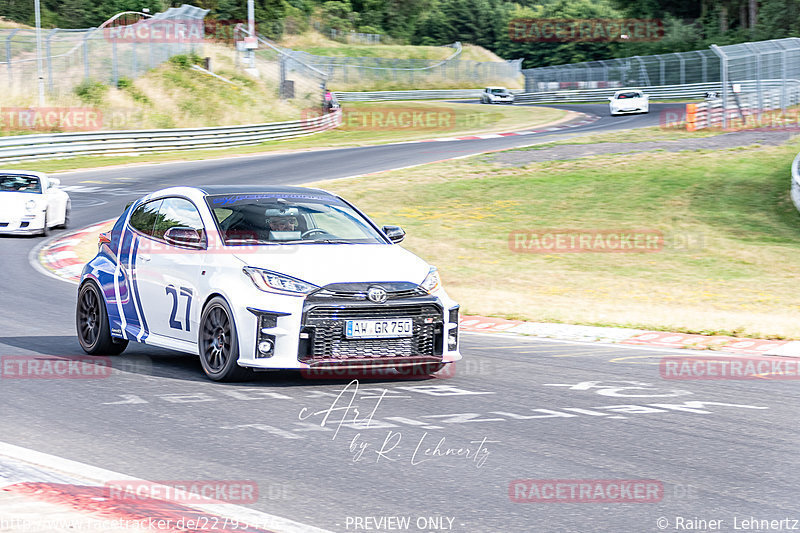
point(31, 203)
point(496, 95)
point(628, 101)
point(257, 278)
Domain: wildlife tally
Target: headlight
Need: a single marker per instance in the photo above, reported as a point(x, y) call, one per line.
point(273, 282)
point(432, 281)
point(30, 206)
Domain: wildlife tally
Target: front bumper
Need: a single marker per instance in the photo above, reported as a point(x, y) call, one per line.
point(21, 227)
point(310, 333)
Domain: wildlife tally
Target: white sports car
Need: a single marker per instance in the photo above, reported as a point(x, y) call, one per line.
point(31, 203)
point(628, 101)
point(264, 278)
point(496, 95)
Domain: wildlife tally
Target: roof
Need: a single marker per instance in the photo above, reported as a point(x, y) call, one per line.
point(259, 189)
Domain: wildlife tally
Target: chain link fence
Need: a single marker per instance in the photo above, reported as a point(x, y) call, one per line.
point(700, 66)
point(295, 77)
point(125, 46)
point(357, 71)
point(753, 77)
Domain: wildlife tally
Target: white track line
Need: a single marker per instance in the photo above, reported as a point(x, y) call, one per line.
point(100, 476)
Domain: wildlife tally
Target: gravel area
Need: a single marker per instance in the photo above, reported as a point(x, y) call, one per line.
point(576, 151)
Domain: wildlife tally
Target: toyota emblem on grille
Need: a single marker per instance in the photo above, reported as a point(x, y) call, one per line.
point(376, 294)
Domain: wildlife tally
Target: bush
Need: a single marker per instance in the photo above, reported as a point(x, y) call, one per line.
point(185, 61)
point(91, 92)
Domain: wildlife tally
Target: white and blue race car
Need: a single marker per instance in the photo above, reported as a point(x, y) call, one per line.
point(264, 278)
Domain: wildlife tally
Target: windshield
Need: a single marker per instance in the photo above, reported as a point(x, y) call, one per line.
point(20, 184)
point(274, 218)
point(499, 91)
point(629, 95)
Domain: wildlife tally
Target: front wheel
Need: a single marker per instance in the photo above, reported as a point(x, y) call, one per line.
point(219, 344)
point(91, 321)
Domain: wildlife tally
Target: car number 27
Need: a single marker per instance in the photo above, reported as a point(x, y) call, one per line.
point(175, 293)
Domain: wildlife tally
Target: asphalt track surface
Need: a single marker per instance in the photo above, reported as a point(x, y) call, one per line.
point(547, 410)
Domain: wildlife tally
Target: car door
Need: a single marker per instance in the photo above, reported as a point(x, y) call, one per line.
point(169, 274)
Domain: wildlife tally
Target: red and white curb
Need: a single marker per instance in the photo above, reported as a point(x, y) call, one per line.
point(582, 120)
point(59, 259)
point(637, 337)
point(64, 495)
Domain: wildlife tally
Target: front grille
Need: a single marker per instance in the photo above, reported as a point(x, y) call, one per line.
point(358, 291)
point(324, 327)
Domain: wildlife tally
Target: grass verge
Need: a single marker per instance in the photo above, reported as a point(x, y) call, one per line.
point(464, 119)
point(730, 262)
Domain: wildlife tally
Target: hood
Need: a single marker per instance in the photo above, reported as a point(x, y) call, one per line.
point(12, 204)
point(322, 264)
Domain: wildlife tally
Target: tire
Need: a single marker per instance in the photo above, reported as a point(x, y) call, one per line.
point(45, 229)
point(218, 343)
point(91, 323)
point(65, 225)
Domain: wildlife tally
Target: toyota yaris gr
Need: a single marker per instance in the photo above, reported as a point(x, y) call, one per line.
point(31, 203)
point(628, 101)
point(264, 278)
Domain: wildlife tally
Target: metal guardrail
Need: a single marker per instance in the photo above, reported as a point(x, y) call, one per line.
point(60, 145)
point(655, 92)
point(433, 94)
point(795, 192)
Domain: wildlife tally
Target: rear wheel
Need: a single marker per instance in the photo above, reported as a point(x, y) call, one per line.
point(91, 321)
point(66, 216)
point(219, 344)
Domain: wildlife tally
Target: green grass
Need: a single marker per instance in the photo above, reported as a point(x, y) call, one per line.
point(737, 275)
point(465, 119)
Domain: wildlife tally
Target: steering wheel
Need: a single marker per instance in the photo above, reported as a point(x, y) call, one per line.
point(311, 232)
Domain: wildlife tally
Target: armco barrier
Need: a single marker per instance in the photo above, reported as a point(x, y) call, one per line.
point(59, 145)
point(433, 94)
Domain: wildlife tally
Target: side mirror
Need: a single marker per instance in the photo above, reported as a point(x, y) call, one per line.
point(182, 236)
point(610, 98)
point(55, 182)
point(395, 233)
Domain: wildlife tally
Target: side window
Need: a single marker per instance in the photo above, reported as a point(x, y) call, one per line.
point(177, 212)
point(143, 217)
